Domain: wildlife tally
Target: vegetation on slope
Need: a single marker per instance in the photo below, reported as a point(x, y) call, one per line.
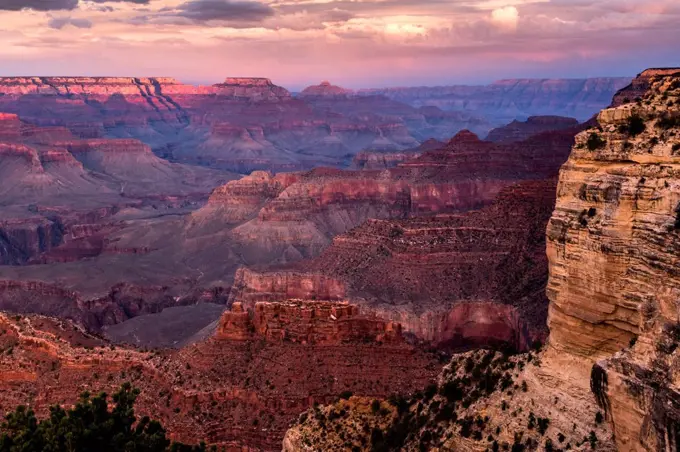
point(91, 425)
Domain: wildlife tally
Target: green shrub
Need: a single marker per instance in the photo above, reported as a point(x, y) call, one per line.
point(636, 125)
point(345, 395)
point(90, 425)
point(595, 142)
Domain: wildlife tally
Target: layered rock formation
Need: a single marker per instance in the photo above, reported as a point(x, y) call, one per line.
point(534, 125)
point(456, 280)
point(376, 160)
point(325, 89)
point(613, 289)
point(56, 188)
point(306, 322)
point(243, 124)
point(612, 245)
point(507, 100)
point(232, 393)
point(296, 215)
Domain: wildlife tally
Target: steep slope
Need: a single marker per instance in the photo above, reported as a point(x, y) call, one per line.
point(617, 207)
point(613, 288)
point(474, 278)
point(229, 391)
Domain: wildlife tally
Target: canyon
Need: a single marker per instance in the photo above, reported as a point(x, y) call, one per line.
point(506, 100)
point(325, 308)
point(241, 125)
point(607, 378)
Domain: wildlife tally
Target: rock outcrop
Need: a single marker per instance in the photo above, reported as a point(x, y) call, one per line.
point(376, 160)
point(325, 89)
point(306, 322)
point(475, 278)
point(612, 246)
point(534, 125)
point(297, 215)
point(234, 394)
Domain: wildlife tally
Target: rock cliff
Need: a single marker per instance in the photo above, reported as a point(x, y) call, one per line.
point(534, 125)
point(296, 215)
point(475, 278)
point(612, 246)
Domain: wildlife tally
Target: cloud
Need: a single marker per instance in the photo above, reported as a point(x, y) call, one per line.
point(224, 10)
point(506, 17)
point(53, 5)
point(60, 22)
point(38, 5)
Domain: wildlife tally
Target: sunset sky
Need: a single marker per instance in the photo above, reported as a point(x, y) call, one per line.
point(355, 43)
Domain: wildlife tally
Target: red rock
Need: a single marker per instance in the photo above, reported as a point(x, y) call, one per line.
point(243, 124)
point(462, 279)
point(232, 393)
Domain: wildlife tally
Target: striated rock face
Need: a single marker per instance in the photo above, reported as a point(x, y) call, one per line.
point(613, 252)
point(234, 394)
point(251, 287)
point(519, 131)
point(298, 214)
point(476, 278)
point(242, 124)
point(507, 100)
point(306, 322)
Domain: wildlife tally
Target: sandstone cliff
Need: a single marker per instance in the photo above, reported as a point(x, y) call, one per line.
point(612, 246)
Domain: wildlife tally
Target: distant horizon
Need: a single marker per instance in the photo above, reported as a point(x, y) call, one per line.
point(300, 87)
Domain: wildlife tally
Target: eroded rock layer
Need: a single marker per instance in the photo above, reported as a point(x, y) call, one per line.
point(225, 391)
point(242, 124)
point(476, 278)
point(613, 251)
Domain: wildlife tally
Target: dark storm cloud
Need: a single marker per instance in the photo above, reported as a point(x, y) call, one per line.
point(60, 22)
point(52, 5)
point(224, 10)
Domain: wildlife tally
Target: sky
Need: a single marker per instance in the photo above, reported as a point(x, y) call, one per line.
point(353, 43)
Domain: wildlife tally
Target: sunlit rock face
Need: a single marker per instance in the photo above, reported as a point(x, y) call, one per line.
point(613, 252)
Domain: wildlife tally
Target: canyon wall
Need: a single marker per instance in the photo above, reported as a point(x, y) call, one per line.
point(232, 393)
point(242, 124)
point(507, 100)
point(613, 252)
